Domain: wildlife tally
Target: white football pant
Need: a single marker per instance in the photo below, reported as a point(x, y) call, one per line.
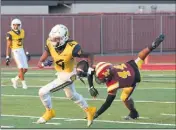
point(70, 91)
point(20, 58)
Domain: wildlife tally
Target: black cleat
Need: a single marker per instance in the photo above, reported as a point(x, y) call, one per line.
point(158, 41)
point(132, 115)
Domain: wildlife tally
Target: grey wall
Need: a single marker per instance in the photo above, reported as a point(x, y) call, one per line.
point(24, 9)
point(77, 8)
point(80, 8)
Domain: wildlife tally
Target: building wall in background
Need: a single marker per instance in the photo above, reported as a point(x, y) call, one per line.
point(125, 8)
point(79, 8)
point(24, 10)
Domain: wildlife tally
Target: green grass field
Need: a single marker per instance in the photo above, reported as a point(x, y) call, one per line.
point(155, 100)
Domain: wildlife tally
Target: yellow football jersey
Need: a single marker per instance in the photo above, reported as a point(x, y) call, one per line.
point(64, 61)
point(17, 39)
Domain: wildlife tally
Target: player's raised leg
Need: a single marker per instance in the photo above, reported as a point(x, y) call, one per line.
point(145, 52)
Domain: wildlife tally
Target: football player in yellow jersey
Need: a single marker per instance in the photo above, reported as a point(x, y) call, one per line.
point(63, 52)
point(15, 39)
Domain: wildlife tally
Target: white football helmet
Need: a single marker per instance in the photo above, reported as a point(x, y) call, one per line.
point(16, 21)
point(59, 35)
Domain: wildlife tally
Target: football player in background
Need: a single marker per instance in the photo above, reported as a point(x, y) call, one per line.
point(15, 45)
point(63, 52)
point(124, 76)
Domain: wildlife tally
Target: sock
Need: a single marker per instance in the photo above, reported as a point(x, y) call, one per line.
point(139, 62)
point(16, 78)
point(46, 100)
point(80, 101)
point(23, 82)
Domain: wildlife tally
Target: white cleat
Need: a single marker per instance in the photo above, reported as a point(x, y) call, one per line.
point(41, 120)
point(25, 87)
point(89, 123)
point(14, 83)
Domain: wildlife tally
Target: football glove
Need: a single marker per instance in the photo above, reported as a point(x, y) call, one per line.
point(47, 63)
point(93, 91)
point(28, 56)
point(7, 60)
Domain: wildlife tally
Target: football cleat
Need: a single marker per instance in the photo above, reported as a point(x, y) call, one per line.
point(158, 41)
point(49, 114)
point(133, 115)
point(90, 111)
point(25, 87)
point(14, 83)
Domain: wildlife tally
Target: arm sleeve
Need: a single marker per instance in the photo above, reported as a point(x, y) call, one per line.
point(107, 104)
point(8, 36)
point(77, 51)
point(90, 79)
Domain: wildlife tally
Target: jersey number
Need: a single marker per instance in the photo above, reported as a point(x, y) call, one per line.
point(61, 64)
point(19, 42)
point(124, 74)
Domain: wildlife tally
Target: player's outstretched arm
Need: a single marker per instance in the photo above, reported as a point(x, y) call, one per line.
point(83, 70)
point(90, 57)
point(105, 106)
point(77, 52)
point(92, 90)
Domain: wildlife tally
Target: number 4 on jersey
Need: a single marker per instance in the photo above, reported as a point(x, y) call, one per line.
point(61, 63)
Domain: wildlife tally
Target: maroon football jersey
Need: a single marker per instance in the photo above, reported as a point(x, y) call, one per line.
point(123, 76)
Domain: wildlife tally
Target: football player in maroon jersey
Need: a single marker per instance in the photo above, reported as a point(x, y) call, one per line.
point(124, 76)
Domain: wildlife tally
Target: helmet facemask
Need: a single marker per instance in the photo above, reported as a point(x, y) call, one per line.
point(16, 25)
point(103, 78)
point(58, 36)
point(103, 72)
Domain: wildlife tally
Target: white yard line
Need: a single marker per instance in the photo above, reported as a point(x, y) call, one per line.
point(34, 73)
point(139, 117)
point(4, 126)
point(36, 86)
point(161, 81)
point(164, 114)
point(39, 73)
point(52, 123)
point(105, 121)
point(90, 99)
point(158, 75)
